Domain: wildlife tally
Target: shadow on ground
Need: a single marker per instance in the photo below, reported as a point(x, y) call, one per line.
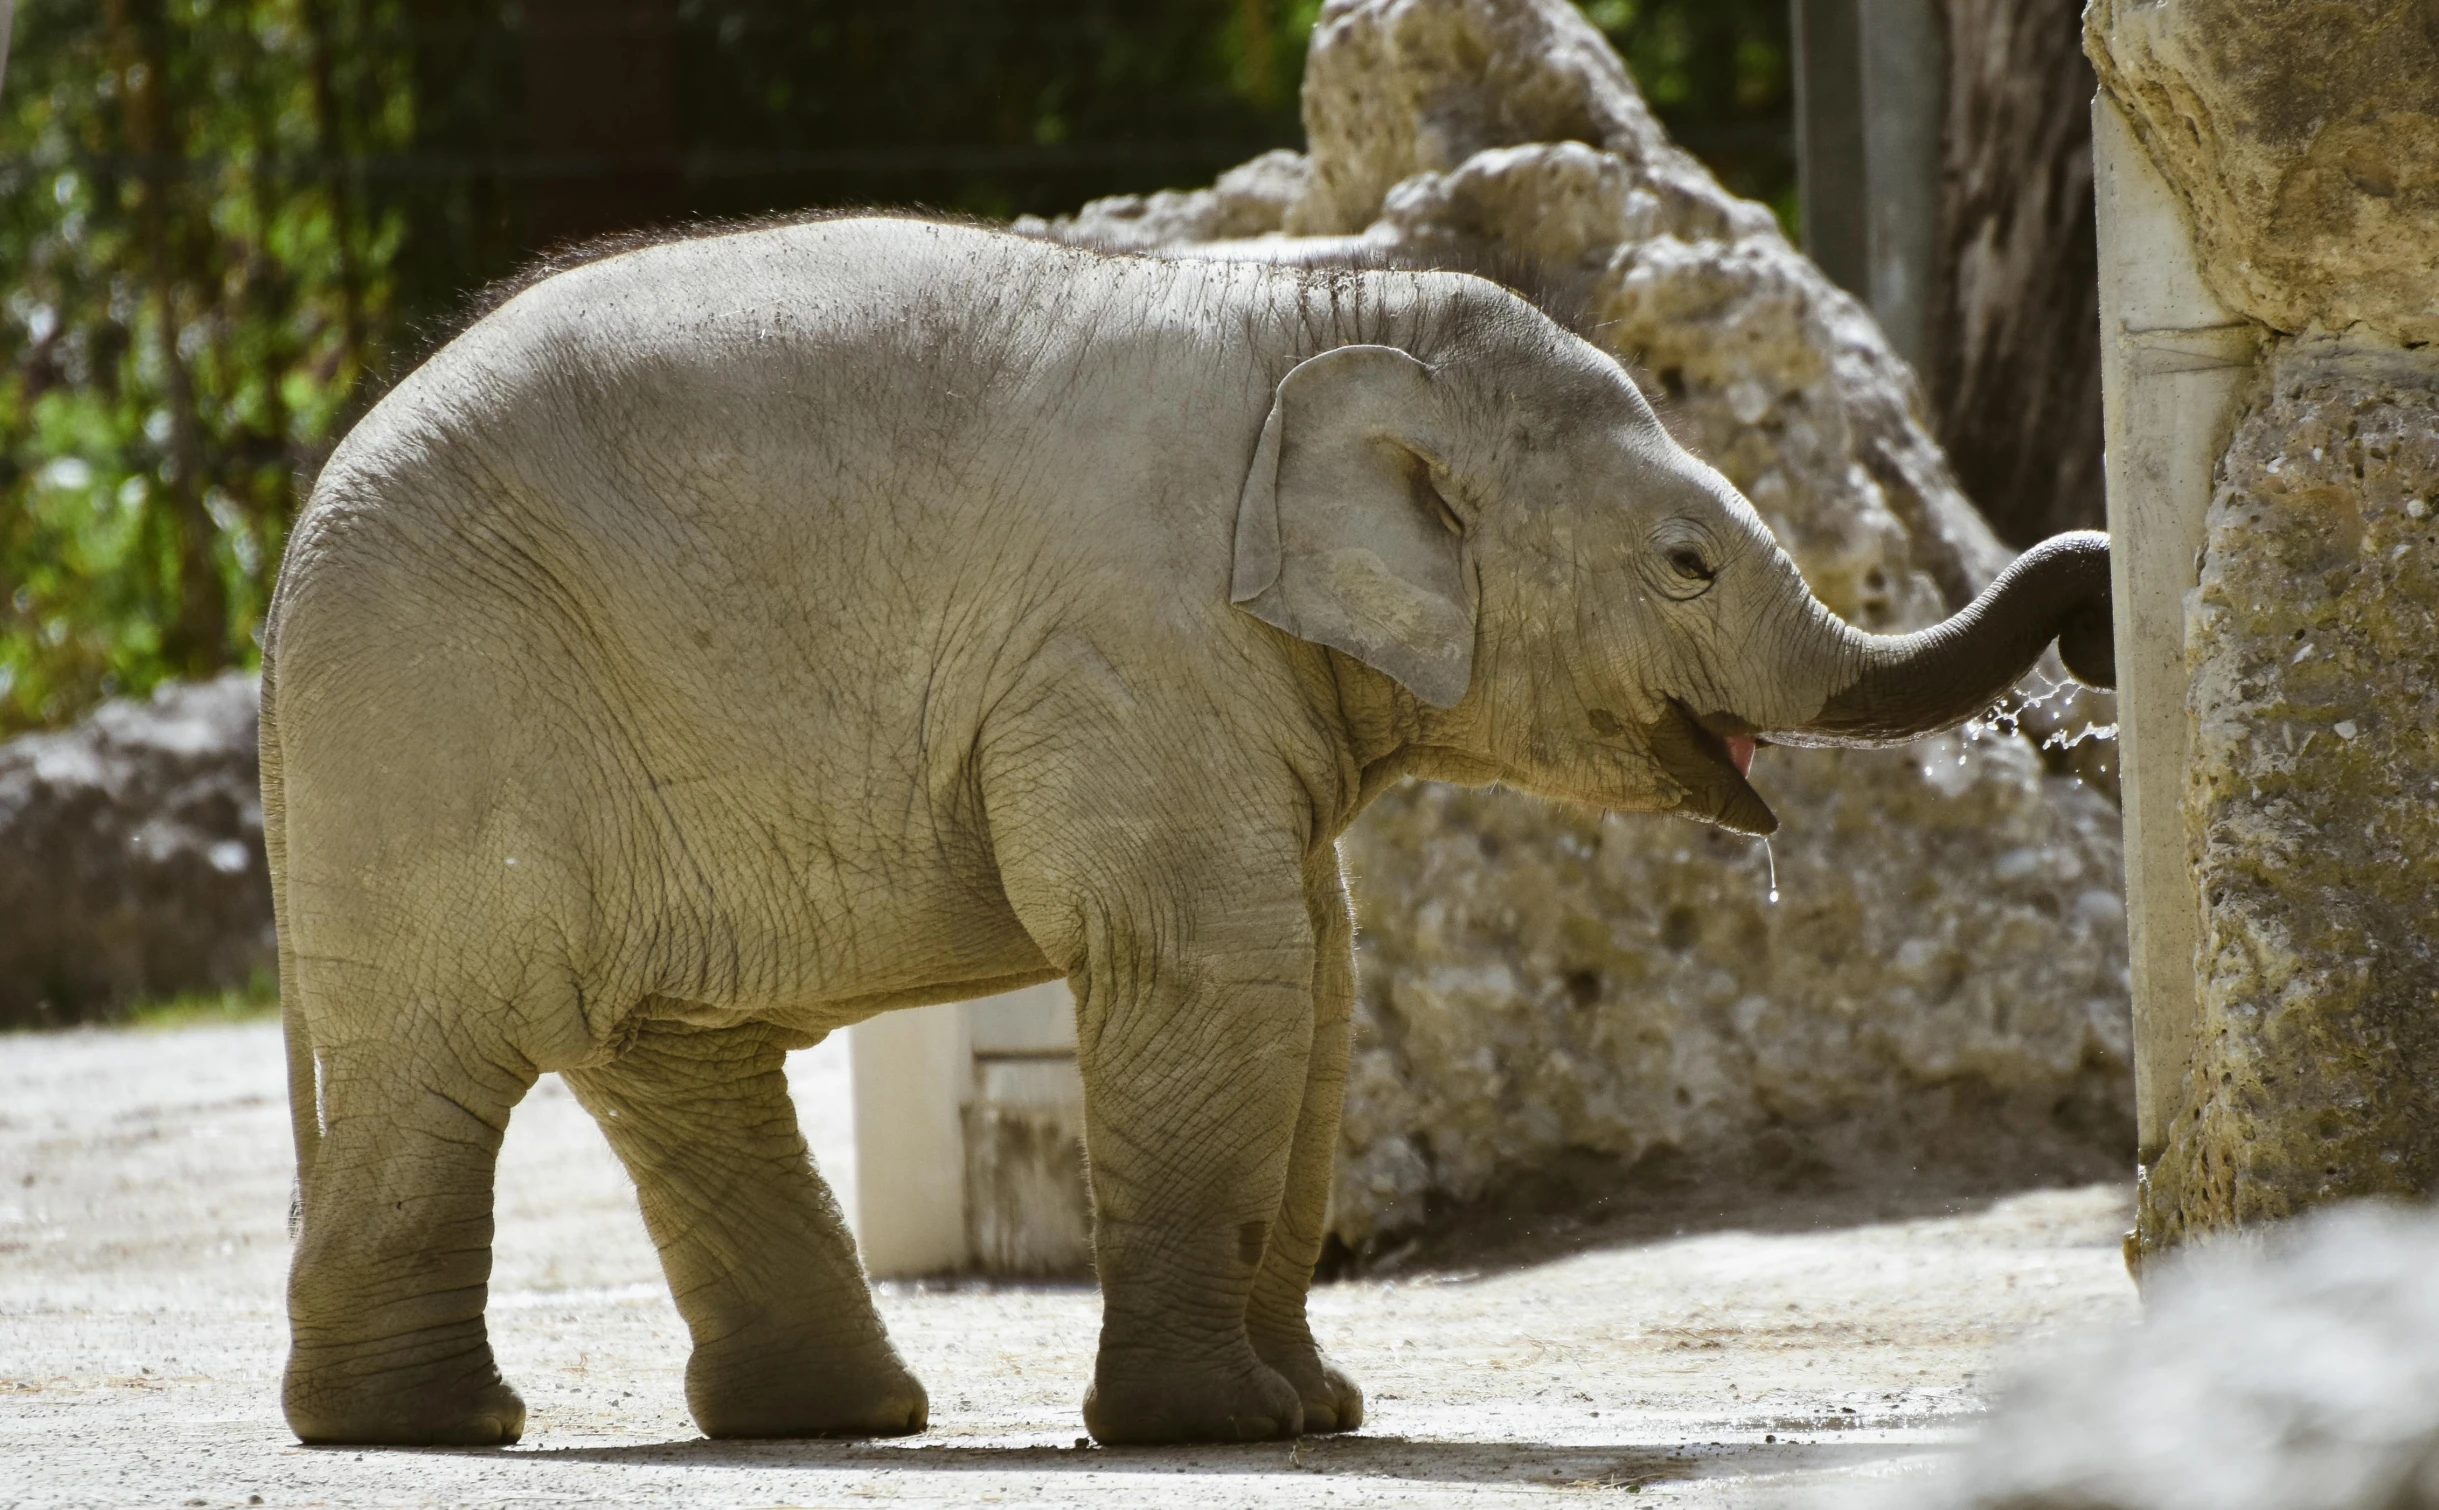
point(1609, 1466)
point(1950, 1149)
point(1498, 1237)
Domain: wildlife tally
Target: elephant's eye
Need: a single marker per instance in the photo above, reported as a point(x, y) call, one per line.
point(1687, 562)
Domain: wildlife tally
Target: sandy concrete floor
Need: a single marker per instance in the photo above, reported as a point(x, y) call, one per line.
point(143, 1196)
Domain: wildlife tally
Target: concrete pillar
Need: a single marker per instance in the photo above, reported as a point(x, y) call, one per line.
point(2269, 223)
point(969, 1130)
point(1871, 81)
point(908, 1068)
point(1027, 1208)
point(2173, 363)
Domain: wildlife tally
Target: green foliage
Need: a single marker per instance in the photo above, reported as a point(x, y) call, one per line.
point(224, 224)
point(1719, 74)
point(195, 293)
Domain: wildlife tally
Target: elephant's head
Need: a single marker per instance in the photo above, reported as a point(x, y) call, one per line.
point(1586, 610)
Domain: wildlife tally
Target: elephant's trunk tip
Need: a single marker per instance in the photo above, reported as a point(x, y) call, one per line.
point(1906, 686)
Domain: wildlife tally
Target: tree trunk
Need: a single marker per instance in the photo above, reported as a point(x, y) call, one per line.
point(2014, 378)
point(195, 639)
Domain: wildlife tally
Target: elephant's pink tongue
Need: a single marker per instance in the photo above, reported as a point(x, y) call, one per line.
point(1740, 750)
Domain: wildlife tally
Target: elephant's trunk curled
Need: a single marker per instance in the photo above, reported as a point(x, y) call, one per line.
point(1892, 688)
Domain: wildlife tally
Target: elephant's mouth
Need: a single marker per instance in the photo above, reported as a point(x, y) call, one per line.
point(1708, 755)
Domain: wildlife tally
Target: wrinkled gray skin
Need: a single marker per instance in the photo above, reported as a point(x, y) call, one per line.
point(729, 640)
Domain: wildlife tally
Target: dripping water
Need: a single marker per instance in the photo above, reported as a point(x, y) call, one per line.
point(1770, 858)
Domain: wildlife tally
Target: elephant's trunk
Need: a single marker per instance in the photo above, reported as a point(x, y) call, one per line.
point(1887, 689)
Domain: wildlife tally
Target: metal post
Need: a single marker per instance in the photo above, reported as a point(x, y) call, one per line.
point(1830, 180)
point(1905, 68)
point(1870, 104)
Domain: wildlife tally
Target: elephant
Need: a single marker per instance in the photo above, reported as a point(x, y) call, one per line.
point(733, 637)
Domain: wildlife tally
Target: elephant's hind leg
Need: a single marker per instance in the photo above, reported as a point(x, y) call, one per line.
point(786, 1342)
point(393, 1256)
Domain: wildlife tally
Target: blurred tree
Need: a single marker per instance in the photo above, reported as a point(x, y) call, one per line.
point(194, 297)
point(1717, 74)
point(225, 223)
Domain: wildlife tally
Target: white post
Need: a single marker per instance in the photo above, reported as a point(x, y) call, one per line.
point(969, 1128)
point(2174, 363)
point(909, 1068)
point(1027, 1210)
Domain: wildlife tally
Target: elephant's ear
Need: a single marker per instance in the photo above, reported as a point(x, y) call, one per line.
point(1341, 539)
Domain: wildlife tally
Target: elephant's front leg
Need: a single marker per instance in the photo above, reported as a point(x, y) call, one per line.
point(1275, 1316)
point(1196, 1032)
point(786, 1341)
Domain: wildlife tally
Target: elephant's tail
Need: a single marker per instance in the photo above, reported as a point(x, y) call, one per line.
point(304, 1095)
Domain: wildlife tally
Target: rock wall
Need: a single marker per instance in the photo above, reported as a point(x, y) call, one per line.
point(2304, 146)
point(2305, 142)
point(131, 856)
point(1550, 995)
point(2313, 801)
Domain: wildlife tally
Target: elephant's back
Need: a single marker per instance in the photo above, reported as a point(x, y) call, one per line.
point(749, 469)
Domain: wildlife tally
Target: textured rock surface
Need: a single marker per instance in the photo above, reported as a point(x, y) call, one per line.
point(2314, 801)
point(2305, 143)
point(1248, 200)
point(1419, 86)
point(131, 856)
point(1554, 995)
point(2303, 1378)
point(1579, 998)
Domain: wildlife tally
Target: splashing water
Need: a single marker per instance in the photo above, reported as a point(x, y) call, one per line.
point(2064, 741)
point(2006, 715)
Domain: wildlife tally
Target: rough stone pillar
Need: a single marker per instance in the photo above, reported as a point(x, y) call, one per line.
point(2301, 144)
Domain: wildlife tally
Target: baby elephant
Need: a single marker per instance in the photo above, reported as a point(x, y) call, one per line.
point(730, 639)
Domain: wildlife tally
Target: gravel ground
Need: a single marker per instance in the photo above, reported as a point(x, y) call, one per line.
point(143, 1199)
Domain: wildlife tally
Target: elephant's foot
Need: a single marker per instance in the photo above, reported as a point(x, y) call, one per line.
point(804, 1392)
point(1332, 1400)
point(460, 1402)
point(1150, 1398)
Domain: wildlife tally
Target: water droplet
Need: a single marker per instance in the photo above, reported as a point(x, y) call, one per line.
point(1770, 856)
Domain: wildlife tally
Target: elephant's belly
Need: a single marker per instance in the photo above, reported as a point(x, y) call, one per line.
point(924, 960)
point(821, 956)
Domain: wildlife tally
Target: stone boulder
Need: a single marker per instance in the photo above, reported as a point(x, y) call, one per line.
point(1940, 982)
point(131, 856)
point(2304, 141)
point(2302, 1374)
